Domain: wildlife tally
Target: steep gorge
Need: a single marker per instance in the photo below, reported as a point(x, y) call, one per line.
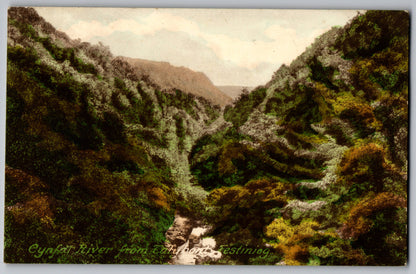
point(310, 168)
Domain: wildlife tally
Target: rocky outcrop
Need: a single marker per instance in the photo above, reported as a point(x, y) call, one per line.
point(178, 233)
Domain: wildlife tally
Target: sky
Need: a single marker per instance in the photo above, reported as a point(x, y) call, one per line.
point(231, 46)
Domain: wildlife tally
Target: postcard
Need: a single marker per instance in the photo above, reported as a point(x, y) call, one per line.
point(207, 136)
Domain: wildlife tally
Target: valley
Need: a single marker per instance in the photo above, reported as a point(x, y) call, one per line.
point(310, 168)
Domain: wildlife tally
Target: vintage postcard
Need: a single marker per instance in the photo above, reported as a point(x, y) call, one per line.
point(207, 136)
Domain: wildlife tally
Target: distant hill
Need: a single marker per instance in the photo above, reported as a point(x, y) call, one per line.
point(233, 91)
point(168, 77)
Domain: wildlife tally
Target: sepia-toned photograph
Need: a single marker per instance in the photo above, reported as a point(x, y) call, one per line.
point(207, 136)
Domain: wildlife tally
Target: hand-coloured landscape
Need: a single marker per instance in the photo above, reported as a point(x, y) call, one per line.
point(187, 136)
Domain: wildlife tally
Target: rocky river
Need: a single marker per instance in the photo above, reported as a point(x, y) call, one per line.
point(185, 238)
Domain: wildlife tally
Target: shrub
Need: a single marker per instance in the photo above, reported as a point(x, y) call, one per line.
point(290, 240)
point(364, 169)
point(361, 116)
point(358, 222)
point(371, 32)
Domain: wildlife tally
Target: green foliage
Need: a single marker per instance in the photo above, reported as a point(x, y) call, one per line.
point(243, 106)
point(299, 107)
point(364, 169)
point(365, 106)
point(213, 111)
point(180, 130)
point(25, 150)
point(118, 163)
point(78, 170)
point(72, 103)
point(275, 105)
point(152, 138)
point(119, 84)
point(338, 252)
point(134, 110)
point(322, 74)
point(305, 193)
point(234, 163)
point(113, 127)
point(217, 139)
point(146, 108)
point(393, 114)
point(270, 259)
point(305, 112)
point(243, 211)
point(62, 54)
point(338, 133)
point(361, 117)
point(22, 57)
point(377, 227)
point(291, 239)
point(58, 53)
point(177, 99)
point(372, 32)
point(233, 166)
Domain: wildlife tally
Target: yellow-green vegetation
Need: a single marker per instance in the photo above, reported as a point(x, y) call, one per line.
point(241, 212)
point(291, 239)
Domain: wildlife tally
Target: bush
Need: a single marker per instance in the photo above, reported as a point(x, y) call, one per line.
point(363, 170)
point(358, 222)
point(371, 32)
point(290, 240)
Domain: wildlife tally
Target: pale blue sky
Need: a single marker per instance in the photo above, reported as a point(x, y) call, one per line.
point(232, 47)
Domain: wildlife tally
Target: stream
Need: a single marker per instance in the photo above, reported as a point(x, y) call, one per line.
point(186, 239)
point(189, 246)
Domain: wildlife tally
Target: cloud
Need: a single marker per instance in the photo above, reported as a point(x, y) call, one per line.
point(186, 50)
point(154, 22)
point(251, 42)
point(284, 43)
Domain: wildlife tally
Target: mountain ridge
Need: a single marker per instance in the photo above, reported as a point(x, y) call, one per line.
point(169, 77)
